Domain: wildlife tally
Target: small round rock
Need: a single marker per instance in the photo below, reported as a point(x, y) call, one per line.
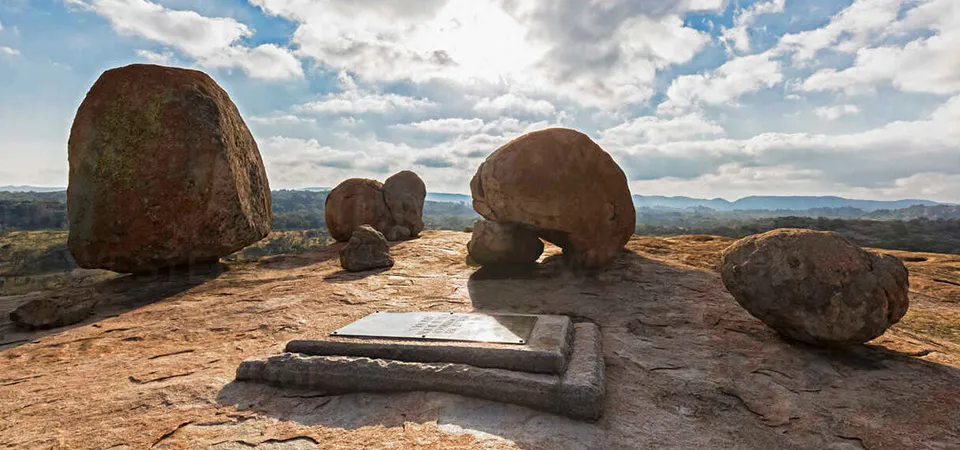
point(816, 287)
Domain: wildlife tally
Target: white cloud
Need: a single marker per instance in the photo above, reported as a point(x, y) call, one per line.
point(928, 64)
point(9, 51)
point(868, 163)
point(282, 119)
point(655, 130)
point(354, 100)
point(603, 55)
point(850, 30)
point(738, 36)
point(156, 58)
point(211, 41)
point(725, 85)
point(442, 126)
point(835, 112)
point(514, 103)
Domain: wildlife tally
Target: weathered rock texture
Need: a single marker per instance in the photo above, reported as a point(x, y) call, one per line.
point(366, 250)
point(394, 208)
point(494, 243)
point(405, 193)
point(355, 202)
point(163, 172)
point(686, 367)
point(816, 287)
point(561, 183)
point(52, 312)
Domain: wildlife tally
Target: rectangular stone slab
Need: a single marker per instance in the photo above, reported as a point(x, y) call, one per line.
point(547, 349)
point(444, 326)
point(577, 393)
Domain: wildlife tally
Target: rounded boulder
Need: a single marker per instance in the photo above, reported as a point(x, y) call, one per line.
point(355, 202)
point(163, 172)
point(816, 287)
point(562, 184)
point(405, 193)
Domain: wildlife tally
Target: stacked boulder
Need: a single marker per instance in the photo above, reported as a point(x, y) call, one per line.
point(393, 208)
point(816, 287)
point(163, 172)
point(557, 185)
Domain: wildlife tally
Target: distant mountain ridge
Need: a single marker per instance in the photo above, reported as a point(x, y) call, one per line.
point(756, 202)
point(795, 203)
point(30, 189)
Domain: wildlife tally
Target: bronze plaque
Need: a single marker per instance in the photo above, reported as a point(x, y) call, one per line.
point(469, 327)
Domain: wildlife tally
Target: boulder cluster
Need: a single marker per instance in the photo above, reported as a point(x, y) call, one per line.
point(394, 208)
point(557, 185)
point(366, 214)
point(163, 172)
point(816, 287)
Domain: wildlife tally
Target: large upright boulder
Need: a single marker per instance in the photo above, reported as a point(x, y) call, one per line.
point(394, 208)
point(816, 287)
point(564, 185)
point(405, 193)
point(163, 172)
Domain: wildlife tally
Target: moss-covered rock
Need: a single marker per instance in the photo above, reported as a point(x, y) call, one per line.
point(163, 172)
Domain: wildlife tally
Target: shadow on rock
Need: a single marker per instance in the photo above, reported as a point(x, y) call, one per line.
point(454, 414)
point(295, 261)
point(343, 276)
point(44, 313)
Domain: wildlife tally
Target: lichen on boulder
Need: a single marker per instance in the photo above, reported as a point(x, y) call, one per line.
point(816, 287)
point(163, 172)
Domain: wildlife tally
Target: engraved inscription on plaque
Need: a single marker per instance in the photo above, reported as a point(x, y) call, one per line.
point(472, 327)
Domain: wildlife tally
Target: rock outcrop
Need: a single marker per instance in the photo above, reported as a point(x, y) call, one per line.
point(366, 250)
point(562, 184)
point(163, 172)
point(816, 287)
point(685, 366)
point(394, 208)
point(495, 243)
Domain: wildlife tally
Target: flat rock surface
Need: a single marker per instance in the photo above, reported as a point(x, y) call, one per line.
point(686, 367)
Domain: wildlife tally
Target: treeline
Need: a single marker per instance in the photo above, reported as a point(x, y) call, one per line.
point(918, 228)
point(918, 235)
point(292, 210)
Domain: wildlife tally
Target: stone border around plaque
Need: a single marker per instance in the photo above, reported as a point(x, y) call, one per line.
point(547, 349)
point(578, 392)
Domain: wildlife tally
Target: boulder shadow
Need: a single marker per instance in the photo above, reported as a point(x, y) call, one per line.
point(112, 298)
point(352, 411)
point(298, 260)
point(343, 276)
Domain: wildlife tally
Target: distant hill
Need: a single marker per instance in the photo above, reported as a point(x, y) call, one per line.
point(30, 189)
point(449, 198)
point(794, 203)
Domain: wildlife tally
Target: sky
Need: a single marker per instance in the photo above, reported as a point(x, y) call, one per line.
point(703, 98)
